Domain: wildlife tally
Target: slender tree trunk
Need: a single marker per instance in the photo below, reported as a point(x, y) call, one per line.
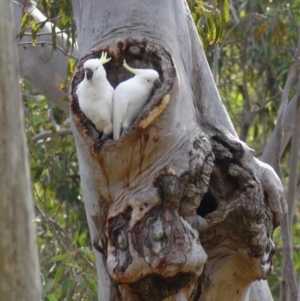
point(19, 270)
point(178, 208)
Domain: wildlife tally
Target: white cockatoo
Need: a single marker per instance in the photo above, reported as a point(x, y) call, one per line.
point(131, 96)
point(95, 95)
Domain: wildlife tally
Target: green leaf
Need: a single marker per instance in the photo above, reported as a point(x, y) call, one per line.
point(37, 173)
point(50, 298)
point(41, 25)
point(68, 285)
point(48, 286)
point(24, 23)
point(58, 274)
point(60, 257)
point(72, 265)
point(92, 285)
point(88, 253)
point(211, 29)
point(33, 32)
point(70, 68)
point(226, 10)
point(260, 30)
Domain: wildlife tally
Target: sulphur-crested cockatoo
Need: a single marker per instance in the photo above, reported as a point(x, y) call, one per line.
point(95, 95)
point(131, 96)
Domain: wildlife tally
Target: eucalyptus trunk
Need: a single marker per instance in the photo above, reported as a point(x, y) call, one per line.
point(19, 270)
point(178, 208)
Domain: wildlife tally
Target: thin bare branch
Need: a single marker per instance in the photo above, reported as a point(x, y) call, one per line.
point(267, 155)
point(293, 166)
point(48, 134)
point(40, 34)
point(45, 216)
point(284, 100)
point(288, 269)
point(65, 52)
point(295, 248)
point(234, 12)
point(67, 237)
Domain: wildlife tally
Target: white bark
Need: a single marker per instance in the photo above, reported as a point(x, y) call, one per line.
point(88, 183)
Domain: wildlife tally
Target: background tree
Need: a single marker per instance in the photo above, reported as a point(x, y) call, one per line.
point(241, 10)
point(19, 273)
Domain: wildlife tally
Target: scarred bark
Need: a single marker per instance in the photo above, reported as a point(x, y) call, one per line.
point(178, 208)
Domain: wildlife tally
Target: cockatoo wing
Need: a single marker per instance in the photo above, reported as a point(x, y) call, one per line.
point(139, 94)
point(120, 105)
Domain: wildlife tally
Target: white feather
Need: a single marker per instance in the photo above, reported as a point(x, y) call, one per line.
point(95, 96)
point(130, 97)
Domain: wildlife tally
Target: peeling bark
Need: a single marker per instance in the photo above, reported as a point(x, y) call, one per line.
point(178, 208)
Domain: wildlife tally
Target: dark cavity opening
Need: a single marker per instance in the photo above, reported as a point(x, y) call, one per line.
point(208, 204)
point(138, 53)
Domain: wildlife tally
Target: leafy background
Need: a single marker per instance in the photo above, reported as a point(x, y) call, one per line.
point(249, 46)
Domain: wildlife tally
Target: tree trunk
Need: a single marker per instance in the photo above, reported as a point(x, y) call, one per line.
point(178, 208)
point(148, 193)
point(19, 270)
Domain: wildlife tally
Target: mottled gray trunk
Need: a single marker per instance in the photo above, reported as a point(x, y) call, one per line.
point(19, 269)
point(178, 208)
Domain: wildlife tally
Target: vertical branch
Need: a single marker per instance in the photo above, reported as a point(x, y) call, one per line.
point(293, 166)
point(284, 100)
point(268, 153)
point(292, 188)
point(288, 270)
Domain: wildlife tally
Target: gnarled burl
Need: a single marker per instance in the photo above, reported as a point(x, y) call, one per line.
point(178, 207)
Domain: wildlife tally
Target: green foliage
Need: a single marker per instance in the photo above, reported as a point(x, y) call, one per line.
point(70, 71)
point(210, 18)
point(66, 258)
point(256, 46)
point(60, 13)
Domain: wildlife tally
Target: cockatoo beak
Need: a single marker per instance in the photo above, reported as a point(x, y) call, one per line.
point(157, 83)
point(134, 71)
point(89, 73)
